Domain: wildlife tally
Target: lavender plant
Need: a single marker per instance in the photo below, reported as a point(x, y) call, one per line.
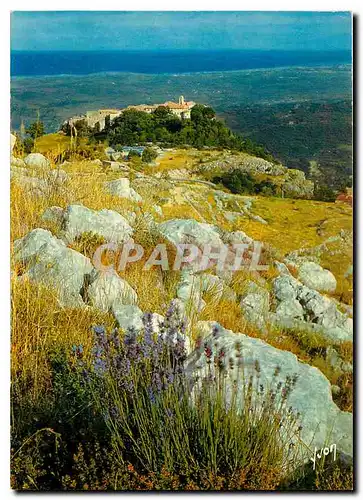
point(139, 384)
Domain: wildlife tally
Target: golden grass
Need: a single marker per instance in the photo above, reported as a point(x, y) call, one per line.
point(292, 224)
point(40, 324)
point(172, 160)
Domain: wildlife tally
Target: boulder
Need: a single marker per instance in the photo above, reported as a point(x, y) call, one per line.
point(179, 231)
point(121, 188)
point(281, 268)
point(321, 420)
point(257, 218)
point(115, 166)
point(237, 237)
point(285, 287)
point(54, 214)
point(37, 160)
point(106, 223)
point(108, 291)
point(317, 278)
point(30, 245)
point(290, 309)
point(189, 289)
point(54, 265)
point(255, 305)
point(128, 317)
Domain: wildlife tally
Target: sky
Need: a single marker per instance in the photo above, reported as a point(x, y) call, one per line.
point(97, 30)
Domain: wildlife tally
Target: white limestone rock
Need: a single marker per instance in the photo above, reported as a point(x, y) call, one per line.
point(37, 160)
point(106, 223)
point(314, 276)
point(320, 418)
point(108, 291)
point(122, 189)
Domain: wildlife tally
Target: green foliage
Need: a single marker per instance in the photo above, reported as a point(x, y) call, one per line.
point(82, 129)
point(239, 182)
point(148, 155)
point(35, 129)
point(161, 126)
point(298, 133)
point(28, 144)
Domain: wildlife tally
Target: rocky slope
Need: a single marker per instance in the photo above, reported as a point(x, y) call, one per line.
point(77, 207)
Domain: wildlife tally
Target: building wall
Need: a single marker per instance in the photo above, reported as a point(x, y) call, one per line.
point(99, 116)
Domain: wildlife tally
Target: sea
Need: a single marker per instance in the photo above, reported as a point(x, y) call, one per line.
point(54, 63)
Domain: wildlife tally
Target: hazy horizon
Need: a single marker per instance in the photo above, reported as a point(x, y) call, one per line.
point(194, 31)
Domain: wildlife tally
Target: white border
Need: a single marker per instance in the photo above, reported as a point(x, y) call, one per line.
point(6, 7)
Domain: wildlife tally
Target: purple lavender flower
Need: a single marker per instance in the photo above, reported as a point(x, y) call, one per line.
point(100, 366)
point(151, 395)
point(99, 330)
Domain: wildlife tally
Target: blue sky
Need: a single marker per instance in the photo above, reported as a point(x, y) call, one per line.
point(92, 30)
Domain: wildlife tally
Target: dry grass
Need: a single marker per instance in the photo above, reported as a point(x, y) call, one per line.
point(39, 325)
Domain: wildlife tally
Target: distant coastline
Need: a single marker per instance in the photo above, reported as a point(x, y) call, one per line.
point(74, 63)
point(247, 71)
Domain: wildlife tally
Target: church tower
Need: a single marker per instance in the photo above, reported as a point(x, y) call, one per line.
point(181, 100)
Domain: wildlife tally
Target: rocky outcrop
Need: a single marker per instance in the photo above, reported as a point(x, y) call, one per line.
point(108, 224)
point(36, 160)
point(51, 263)
point(255, 304)
point(321, 420)
point(122, 189)
point(107, 291)
point(179, 231)
point(297, 186)
point(245, 163)
point(316, 313)
point(317, 278)
point(54, 214)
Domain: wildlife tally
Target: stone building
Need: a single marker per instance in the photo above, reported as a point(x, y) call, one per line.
point(181, 109)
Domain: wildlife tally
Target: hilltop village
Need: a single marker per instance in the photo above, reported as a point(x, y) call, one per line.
point(181, 109)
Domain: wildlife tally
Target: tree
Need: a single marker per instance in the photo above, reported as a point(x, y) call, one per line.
point(202, 113)
point(35, 129)
point(28, 144)
point(148, 155)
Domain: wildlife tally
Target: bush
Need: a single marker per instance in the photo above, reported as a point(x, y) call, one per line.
point(142, 390)
point(239, 182)
point(148, 155)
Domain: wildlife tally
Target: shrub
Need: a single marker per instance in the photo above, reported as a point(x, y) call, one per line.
point(239, 182)
point(143, 392)
point(148, 155)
